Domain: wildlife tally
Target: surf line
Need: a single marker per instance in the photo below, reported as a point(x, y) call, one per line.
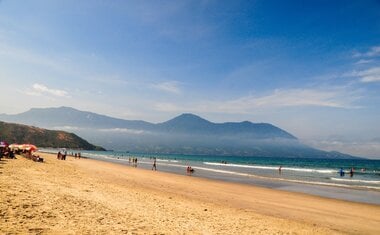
point(262, 177)
point(288, 180)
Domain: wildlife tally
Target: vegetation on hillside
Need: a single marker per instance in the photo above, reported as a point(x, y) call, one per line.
point(17, 133)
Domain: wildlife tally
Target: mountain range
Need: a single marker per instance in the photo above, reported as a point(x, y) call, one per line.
point(184, 134)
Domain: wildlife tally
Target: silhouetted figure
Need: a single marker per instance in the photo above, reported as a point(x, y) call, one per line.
point(279, 170)
point(11, 155)
point(189, 170)
point(341, 172)
point(352, 172)
point(154, 165)
point(135, 162)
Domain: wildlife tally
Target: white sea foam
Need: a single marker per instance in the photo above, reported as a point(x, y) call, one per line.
point(166, 160)
point(323, 171)
point(273, 178)
point(241, 166)
point(357, 181)
point(288, 180)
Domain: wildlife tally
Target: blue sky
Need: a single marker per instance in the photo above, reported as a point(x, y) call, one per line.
point(309, 67)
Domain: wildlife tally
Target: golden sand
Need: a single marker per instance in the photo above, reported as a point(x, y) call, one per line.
point(83, 196)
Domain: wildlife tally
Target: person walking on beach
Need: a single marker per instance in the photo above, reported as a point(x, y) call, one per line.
point(279, 170)
point(154, 164)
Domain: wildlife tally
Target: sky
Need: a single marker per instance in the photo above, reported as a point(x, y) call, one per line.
point(311, 68)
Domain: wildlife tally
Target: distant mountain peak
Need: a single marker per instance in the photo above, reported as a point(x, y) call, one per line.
point(246, 122)
point(190, 116)
point(186, 122)
point(187, 118)
point(67, 108)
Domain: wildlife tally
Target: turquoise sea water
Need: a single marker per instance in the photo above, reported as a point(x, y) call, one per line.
point(306, 175)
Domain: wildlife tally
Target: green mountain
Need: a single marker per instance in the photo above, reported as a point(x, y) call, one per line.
point(17, 133)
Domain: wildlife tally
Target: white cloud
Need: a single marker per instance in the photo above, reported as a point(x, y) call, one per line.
point(368, 75)
point(39, 89)
point(363, 61)
point(372, 52)
point(333, 98)
point(171, 87)
point(339, 97)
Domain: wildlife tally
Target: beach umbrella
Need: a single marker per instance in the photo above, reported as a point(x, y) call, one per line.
point(3, 144)
point(29, 147)
point(15, 146)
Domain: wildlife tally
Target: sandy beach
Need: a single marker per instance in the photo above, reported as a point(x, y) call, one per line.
point(84, 196)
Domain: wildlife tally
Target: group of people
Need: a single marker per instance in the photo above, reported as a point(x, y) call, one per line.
point(133, 161)
point(10, 153)
point(61, 156)
point(342, 173)
point(32, 156)
point(77, 155)
point(189, 170)
point(6, 152)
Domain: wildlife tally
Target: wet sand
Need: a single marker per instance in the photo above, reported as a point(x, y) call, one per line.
point(84, 196)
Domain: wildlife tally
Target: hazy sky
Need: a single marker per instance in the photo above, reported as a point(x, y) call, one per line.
point(309, 67)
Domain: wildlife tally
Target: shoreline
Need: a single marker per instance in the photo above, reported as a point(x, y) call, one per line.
point(334, 191)
point(143, 201)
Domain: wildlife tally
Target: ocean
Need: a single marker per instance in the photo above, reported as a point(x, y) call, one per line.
point(313, 176)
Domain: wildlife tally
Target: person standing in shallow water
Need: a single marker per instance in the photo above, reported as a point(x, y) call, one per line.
point(341, 172)
point(352, 172)
point(154, 164)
